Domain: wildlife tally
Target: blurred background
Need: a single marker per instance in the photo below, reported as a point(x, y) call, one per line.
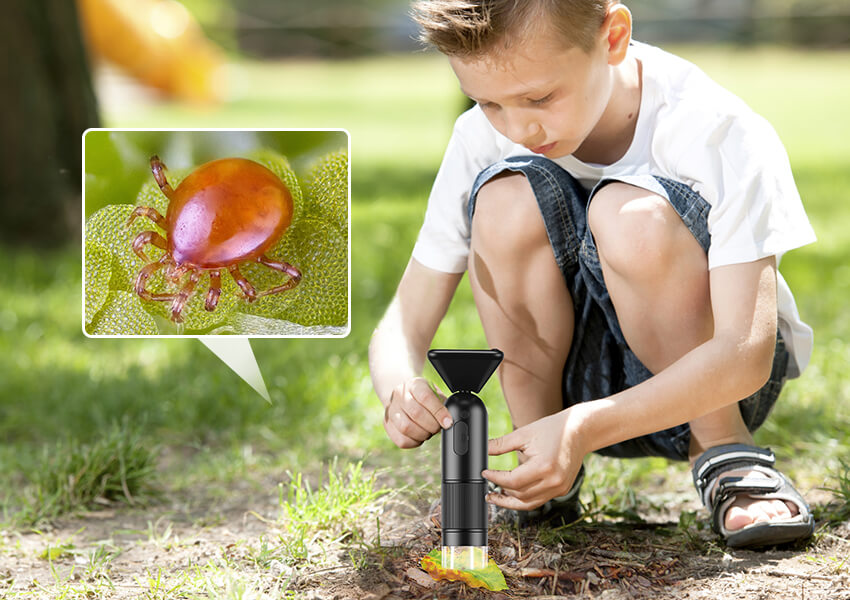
point(354, 65)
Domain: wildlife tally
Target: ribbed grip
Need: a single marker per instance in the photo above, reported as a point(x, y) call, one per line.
point(464, 513)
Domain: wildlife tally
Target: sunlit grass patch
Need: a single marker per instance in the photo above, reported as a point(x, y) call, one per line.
point(73, 475)
point(335, 511)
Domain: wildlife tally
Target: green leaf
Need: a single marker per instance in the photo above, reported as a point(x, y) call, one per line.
point(319, 250)
point(327, 189)
point(98, 269)
point(107, 229)
point(490, 577)
point(123, 314)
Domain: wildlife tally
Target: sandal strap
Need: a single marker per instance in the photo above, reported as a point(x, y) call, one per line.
point(736, 486)
point(722, 459)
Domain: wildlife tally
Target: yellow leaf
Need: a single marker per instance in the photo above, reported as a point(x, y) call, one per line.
point(490, 577)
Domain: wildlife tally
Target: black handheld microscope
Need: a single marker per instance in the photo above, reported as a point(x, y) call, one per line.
point(464, 448)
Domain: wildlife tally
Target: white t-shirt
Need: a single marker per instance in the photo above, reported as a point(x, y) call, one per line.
point(689, 129)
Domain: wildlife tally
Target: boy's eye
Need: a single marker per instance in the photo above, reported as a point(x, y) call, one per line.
point(539, 101)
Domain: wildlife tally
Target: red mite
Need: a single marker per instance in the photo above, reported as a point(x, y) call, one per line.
point(224, 213)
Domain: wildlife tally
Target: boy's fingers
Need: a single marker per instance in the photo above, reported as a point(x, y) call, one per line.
point(429, 399)
point(409, 427)
point(513, 502)
point(507, 443)
point(395, 414)
point(418, 412)
point(398, 438)
point(517, 479)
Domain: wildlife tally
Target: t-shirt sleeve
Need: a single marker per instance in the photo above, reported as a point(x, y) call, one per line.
point(740, 167)
point(443, 242)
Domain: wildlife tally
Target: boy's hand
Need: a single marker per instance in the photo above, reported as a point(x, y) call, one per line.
point(415, 413)
point(553, 451)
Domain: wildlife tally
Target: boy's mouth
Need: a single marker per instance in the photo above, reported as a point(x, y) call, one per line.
point(543, 149)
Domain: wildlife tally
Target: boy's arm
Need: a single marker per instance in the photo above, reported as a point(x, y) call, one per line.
point(730, 366)
point(412, 411)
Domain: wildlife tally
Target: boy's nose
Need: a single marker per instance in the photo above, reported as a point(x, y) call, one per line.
point(525, 132)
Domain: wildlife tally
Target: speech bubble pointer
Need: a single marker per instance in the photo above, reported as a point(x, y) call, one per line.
point(237, 354)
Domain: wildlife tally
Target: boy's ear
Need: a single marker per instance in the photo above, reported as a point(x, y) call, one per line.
point(617, 31)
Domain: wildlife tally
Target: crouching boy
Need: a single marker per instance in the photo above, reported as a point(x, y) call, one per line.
point(622, 218)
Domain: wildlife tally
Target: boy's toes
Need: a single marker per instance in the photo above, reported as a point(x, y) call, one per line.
point(746, 511)
point(737, 517)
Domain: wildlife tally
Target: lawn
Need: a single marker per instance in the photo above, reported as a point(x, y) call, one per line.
point(204, 440)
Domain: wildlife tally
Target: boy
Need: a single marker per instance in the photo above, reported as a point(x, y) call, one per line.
point(621, 217)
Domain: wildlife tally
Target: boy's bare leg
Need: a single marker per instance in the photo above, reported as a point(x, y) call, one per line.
point(657, 276)
point(522, 298)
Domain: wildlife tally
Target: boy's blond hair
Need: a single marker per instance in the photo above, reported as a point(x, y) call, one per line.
point(470, 28)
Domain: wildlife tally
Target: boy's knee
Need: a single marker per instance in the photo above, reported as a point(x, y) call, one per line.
point(637, 232)
point(506, 215)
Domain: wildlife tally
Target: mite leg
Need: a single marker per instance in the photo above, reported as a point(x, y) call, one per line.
point(294, 275)
point(182, 297)
point(145, 238)
point(142, 280)
point(158, 169)
point(214, 291)
point(174, 272)
point(244, 285)
point(150, 213)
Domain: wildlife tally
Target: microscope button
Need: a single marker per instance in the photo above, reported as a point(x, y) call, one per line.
point(461, 440)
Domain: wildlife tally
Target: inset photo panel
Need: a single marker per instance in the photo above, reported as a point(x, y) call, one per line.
point(216, 232)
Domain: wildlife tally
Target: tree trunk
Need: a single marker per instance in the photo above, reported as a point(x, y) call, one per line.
point(46, 103)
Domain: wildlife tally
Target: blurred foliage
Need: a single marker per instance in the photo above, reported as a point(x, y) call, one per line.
point(336, 28)
point(316, 242)
point(787, 22)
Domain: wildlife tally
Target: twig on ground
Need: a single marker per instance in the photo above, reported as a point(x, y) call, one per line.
point(555, 579)
point(618, 557)
point(534, 573)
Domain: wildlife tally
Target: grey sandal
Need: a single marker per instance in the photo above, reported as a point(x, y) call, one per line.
point(708, 471)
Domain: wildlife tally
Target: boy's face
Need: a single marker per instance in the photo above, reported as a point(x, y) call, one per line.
point(541, 95)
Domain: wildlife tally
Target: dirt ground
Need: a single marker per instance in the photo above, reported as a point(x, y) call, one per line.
point(192, 548)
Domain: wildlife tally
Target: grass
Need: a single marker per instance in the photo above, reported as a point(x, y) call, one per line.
point(318, 523)
point(838, 511)
point(314, 518)
point(62, 392)
point(73, 475)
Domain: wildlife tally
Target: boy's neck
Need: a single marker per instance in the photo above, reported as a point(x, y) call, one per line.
point(613, 134)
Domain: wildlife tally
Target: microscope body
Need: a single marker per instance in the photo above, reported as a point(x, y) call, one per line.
point(464, 445)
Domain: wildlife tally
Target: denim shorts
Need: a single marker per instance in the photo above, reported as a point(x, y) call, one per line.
point(600, 362)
